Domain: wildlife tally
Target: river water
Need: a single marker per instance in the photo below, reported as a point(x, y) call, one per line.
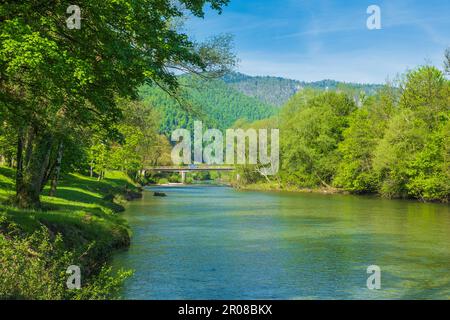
point(212, 242)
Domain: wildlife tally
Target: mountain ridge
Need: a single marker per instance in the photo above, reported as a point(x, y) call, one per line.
point(278, 90)
point(236, 96)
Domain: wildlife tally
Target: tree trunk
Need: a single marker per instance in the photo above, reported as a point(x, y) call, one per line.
point(19, 168)
point(48, 173)
point(31, 168)
point(57, 170)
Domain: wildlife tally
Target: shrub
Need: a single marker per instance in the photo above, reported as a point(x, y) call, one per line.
point(34, 268)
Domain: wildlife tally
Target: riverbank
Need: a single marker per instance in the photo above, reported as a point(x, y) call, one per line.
point(280, 188)
point(85, 213)
point(275, 187)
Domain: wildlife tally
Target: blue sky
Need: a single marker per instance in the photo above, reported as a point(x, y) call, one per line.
point(328, 39)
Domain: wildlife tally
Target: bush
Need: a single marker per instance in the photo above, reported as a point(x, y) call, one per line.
point(34, 268)
point(163, 181)
point(175, 179)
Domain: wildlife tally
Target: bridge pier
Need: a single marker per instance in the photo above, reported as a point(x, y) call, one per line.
point(183, 177)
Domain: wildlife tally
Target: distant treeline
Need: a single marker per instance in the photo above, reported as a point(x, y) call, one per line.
point(396, 143)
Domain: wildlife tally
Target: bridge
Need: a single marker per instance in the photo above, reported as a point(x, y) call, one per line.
point(191, 168)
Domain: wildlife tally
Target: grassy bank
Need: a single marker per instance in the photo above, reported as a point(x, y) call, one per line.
point(275, 187)
point(265, 186)
point(83, 218)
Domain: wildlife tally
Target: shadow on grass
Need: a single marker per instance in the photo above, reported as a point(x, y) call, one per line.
point(82, 212)
point(82, 209)
point(70, 198)
point(78, 192)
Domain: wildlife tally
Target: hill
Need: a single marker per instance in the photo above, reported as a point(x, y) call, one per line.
point(277, 91)
point(220, 103)
point(214, 102)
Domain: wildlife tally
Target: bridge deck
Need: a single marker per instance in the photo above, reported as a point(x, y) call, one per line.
point(186, 169)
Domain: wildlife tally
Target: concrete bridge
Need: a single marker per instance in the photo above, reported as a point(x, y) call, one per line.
point(191, 168)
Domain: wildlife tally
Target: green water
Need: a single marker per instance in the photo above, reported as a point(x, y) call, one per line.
point(209, 242)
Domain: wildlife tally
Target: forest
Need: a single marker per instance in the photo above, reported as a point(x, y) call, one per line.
point(208, 100)
point(394, 143)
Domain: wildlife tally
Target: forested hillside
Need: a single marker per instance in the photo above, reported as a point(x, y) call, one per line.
point(220, 103)
point(277, 91)
point(212, 101)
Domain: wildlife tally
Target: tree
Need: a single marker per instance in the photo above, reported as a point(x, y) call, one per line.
point(366, 128)
point(139, 131)
point(52, 77)
point(311, 130)
point(411, 159)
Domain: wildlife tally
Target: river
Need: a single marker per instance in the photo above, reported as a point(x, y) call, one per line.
point(213, 242)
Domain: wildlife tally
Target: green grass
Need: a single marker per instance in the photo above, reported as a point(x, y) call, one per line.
point(7, 176)
point(85, 211)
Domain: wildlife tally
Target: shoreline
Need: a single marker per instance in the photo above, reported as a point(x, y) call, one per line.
point(324, 191)
point(277, 188)
point(264, 187)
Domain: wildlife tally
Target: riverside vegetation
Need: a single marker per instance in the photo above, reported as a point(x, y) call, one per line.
point(80, 226)
point(395, 144)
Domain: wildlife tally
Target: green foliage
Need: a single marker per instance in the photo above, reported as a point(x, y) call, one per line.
point(174, 178)
point(57, 83)
point(139, 144)
point(271, 90)
point(88, 231)
point(366, 127)
point(211, 101)
point(310, 137)
point(411, 156)
point(8, 143)
point(65, 94)
point(34, 267)
point(201, 176)
point(395, 143)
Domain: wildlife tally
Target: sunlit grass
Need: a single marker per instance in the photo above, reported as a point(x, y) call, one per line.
point(83, 209)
